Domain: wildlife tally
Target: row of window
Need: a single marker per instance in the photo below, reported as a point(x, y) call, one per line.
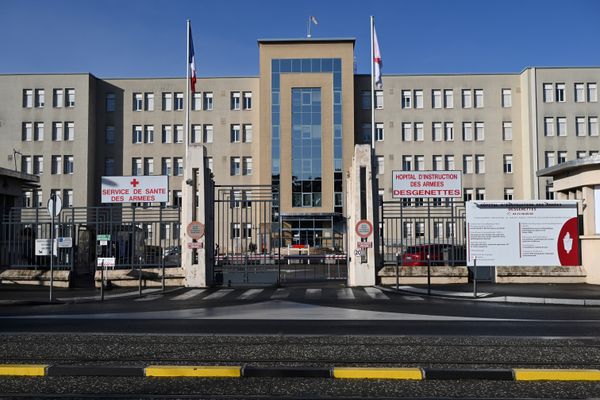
point(239, 133)
point(584, 126)
point(37, 98)
point(34, 131)
point(582, 92)
point(440, 131)
point(471, 163)
point(552, 158)
point(63, 164)
point(175, 101)
point(440, 98)
point(34, 197)
point(145, 166)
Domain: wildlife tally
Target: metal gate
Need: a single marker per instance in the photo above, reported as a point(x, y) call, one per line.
point(255, 244)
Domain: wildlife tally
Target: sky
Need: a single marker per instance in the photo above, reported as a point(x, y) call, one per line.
point(146, 38)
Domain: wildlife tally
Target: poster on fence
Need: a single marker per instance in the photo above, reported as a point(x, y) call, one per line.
point(522, 233)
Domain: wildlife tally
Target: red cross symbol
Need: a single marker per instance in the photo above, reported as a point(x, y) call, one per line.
point(135, 182)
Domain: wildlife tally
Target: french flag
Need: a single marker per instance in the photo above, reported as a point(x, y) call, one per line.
point(192, 61)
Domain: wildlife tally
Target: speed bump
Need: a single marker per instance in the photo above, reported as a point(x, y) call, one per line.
point(522, 374)
point(23, 369)
point(378, 373)
point(193, 371)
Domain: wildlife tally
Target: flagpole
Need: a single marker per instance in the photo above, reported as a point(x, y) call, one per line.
point(308, 28)
point(187, 92)
point(372, 87)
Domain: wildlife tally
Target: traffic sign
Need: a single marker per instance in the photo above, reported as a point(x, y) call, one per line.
point(104, 237)
point(54, 205)
point(195, 230)
point(108, 262)
point(65, 242)
point(364, 245)
point(364, 228)
point(195, 245)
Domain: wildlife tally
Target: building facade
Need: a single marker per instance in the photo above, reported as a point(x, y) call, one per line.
point(295, 126)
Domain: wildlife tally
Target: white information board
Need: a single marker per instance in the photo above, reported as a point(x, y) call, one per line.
point(522, 233)
point(135, 189)
point(426, 184)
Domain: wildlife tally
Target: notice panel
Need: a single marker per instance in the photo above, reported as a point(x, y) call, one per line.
point(424, 184)
point(135, 189)
point(522, 233)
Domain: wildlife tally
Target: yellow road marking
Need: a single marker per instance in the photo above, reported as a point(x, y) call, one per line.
point(23, 369)
point(557, 374)
point(378, 373)
point(197, 371)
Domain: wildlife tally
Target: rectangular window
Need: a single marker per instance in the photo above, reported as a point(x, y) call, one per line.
point(450, 166)
point(506, 98)
point(380, 165)
point(379, 134)
point(208, 101)
point(197, 101)
point(379, 99)
point(208, 134)
point(420, 229)
point(166, 166)
point(550, 159)
point(468, 164)
point(365, 100)
point(56, 165)
point(138, 102)
point(437, 162)
point(478, 98)
point(592, 92)
point(38, 165)
point(561, 126)
point(235, 100)
point(209, 163)
point(58, 98)
point(69, 168)
point(449, 131)
point(419, 163)
point(136, 166)
point(167, 99)
point(109, 166)
point(178, 101)
point(247, 100)
point(149, 134)
point(196, 134)
point(548, 93)
point(438, 230)
point(68, 197)
point(178, 161)
point(593, 126)
point(437, 132)
point(507, 130)
point(40, 98)
point(38, 132)
point(247, 166)
point(109, 102)
point(560, 92)
point(178, 134)
point(467, 131)
point(26, 164)
point(508, 194)
point(149, 101)
point(419, 133)
point(448, 98)
point(549, 192)
point(581, 154)
point(406, 99)
point(70, 98)
point(579, 92)
point(366, 133)
point(148, 166)
point(235, 166)
point(406, 131)
point(27, 134)
point(580, 126)
point(418, 99)
point(407, 229)
point(70, 131)
point(548, 126)
point(235, 136)
point(57, 131)
point(479, 194)
point(468, 196)
point(467, 98)
point(166, 133)
point(137, 134)
point(436, 98)
point(507, 162)
point(407, 163)
point(479, 131)
point(28, 98)
point(562, 157)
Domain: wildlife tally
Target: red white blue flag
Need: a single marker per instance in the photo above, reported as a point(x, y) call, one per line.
point(192, 61)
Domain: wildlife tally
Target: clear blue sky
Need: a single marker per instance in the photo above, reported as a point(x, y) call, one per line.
point(146, 38)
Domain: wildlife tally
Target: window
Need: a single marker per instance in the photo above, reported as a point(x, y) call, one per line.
point(508, 194)
point(27, 134)
point(235, 134)
point(58, 98)
point(166, 133)
point(38, 165)
point(167, 101)
point(406, 131)
point(235, 100)
point(593, 153)
point(407, 163)
point(366, 133)
point(592, 92)
point(178, 134)
point(70, 131)
point(235, 166)
point(506, 130)
point(136, 166)
point(57, 131)
point(419, 163)
point(68, 197)
point(208, 134)
point(109, 166)
point(548, 126)
point(26, 164)
point(468, 194)
point(28, 98)
point(448, 98)
point(437, 132)
point(561, 126)
point(196, 135)
point(580, 126)
point(593, 126)
point(209, 163)
point(418, 98)
point(149, 134)
point(436, 98)
point(235, 230)
point(247, 100)
point(177, 198)
point(149, 101)
point(109, 101)
point(420, 229)
point(38, 132)
point(549, 159)
point(70, 98)
point(56, 165)
point(438, 230)
point(468, 164)
point(419, 134)
point(208, 101)
point(562, 157)
point(37, 198)
point(40, 98)
point(549, 192)
point(148, 166)
point(479, 194)
point(449, 131)
point(437, 162)
point(179, 101)
point(379, 132)
point(138, 102)
point(69, 165)
point(247, 166)
point(379, 99)
point(548, 93)
point(507, 162)
point(380, 165)
point(478, 98)
point(407, 229)
point(506, 98)
point(467, 131)
point(450, 166)
point(197, 101)
point(178, 166)
point(467, 98)
point(406, 99)
point(479, 131)
point(137, 135)
point(581, 154)
point(166, 166)
point(560, 92)
point(579, 92)
point(365, 100)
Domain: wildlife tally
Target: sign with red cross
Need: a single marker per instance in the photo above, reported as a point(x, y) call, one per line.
point(135, 189)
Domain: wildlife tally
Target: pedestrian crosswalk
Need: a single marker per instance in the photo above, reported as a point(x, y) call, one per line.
point(286, 293)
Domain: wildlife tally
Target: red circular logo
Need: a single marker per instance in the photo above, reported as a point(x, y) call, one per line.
point(568, 243)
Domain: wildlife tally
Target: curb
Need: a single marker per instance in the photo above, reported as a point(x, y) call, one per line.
point(212, 371)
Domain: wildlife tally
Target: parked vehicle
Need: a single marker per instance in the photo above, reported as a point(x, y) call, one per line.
point(433, 254)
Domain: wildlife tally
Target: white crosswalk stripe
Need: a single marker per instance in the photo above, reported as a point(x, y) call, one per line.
point(218, 294)
point(150, 298)
point(345, 294)
point(375, 293)
point(248, 294)
point(188, 295)
point(280, 293)
point(313, 293)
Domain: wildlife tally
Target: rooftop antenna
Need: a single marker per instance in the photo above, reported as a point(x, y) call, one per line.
point(311, 20)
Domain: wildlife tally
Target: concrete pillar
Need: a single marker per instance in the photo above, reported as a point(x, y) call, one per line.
point(361, 270)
